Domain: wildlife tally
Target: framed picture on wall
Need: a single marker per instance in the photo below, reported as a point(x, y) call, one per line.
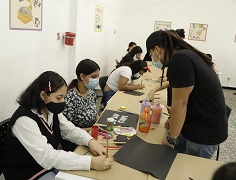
point(98, 20)
point(162, 25)
point(197, 32)
point(25, 14)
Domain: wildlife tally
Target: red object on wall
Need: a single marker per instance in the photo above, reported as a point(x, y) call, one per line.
point(69, 38)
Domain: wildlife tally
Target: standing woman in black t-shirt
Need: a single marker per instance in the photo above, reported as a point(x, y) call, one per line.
point(198, 122)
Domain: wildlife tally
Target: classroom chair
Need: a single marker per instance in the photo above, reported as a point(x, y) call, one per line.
point(102, 83)
point(3, 131)
point(229, 109)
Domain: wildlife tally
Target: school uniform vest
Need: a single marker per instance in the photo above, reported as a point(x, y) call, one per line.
point(17, 162)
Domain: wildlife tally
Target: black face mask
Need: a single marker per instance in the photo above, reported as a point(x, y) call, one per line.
point(56, 108)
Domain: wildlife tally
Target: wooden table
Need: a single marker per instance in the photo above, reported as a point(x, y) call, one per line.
point(184, 166)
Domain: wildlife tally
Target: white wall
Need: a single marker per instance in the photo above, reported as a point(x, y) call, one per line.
point(98, 46)
point(25, 54)
point(136, 22)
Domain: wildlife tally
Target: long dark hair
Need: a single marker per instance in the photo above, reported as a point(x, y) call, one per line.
point(135, 50)
point(136, 66)
point(49, 82)
point(86, 66)
point(169, 42)
point(130, 55)
point(180, 32)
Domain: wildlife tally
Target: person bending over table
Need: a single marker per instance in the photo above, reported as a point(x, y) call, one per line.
point(37, 130)
point(121, 79)
point(198, 122)
point(81, 98)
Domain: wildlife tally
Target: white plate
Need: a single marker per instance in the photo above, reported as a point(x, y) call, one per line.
point(127, 131)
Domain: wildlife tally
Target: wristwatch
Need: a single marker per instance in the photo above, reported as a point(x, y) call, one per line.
point(171, 140)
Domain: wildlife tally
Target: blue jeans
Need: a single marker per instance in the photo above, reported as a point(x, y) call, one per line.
point(107, 96)
point(187, 147)
point(50, 175)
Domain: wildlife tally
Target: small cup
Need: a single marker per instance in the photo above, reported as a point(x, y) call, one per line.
point(94, 132)
point(110, 124)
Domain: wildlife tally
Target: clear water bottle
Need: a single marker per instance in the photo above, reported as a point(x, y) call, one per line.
point(145, 103)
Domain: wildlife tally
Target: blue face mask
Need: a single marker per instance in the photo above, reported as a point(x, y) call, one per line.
point(135, 58)
point(157, 64)
point(93, 83)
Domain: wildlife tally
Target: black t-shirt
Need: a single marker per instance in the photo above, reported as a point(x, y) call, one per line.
point(206, 121)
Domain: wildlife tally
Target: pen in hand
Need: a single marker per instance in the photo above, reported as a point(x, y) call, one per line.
point(107, 145)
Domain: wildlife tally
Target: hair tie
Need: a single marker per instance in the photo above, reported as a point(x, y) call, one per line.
point(146, 67)
point(49, 86)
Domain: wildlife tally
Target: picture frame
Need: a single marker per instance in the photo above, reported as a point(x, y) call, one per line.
point(25, 14)
point(162, 25)
point(98, 19)
point(197, 31)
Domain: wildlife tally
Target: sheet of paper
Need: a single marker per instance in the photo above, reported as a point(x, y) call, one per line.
point(66, 176)
point(151, 158)
point(121, 118)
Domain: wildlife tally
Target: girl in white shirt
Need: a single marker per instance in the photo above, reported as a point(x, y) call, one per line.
point(121, 79)
point(37, 131)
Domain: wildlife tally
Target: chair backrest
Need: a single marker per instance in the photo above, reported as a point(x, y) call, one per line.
point(3, 131)
point(102, 82)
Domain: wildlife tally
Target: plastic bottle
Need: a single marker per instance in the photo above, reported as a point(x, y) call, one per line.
point(156, 113)
point(145, 103)
point(145, 120)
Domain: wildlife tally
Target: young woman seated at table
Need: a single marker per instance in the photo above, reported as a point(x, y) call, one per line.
point(121, 79)
point(133, 55)
point(81, 98)
point(36, 134)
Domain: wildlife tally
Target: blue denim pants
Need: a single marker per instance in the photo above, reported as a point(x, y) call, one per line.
point(107, 96)
point(187, 147)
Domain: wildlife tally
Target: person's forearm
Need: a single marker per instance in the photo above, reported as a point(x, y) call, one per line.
point(128, 87)
point(178, 114)
point(159, 87)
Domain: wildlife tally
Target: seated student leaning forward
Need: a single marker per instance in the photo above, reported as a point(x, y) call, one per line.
point(80, 99)
point(121, 79)
point(37, 131)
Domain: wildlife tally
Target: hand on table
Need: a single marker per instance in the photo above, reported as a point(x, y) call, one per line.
point(140, 86)
point(165, 142)
point(96, 148)
point(101, 163)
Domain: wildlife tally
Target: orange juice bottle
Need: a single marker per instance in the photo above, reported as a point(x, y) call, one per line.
point(145, 121)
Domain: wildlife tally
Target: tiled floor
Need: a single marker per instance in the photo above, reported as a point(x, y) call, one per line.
point(228, 148)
